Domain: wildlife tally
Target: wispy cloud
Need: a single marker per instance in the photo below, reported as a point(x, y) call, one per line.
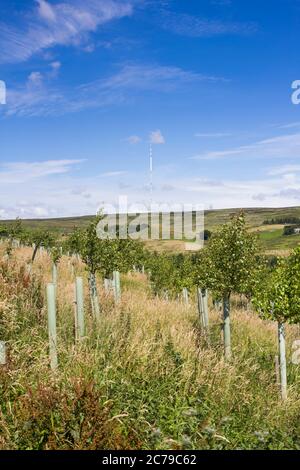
point(20, 172)
point(196, 26)
point(284, 169)
point(111, 174)
point(153, 77)
point(215, 135)
point(291, 125)
point(133, 139)
point(67, 23)
point(39, 96)
point(277, 191)
point(285, 146)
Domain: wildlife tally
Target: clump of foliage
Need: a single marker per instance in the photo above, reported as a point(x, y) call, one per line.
point(171, 273)
point(105, 255)
point(278, 297)
point(55, 254)
point(231, 261)
point(40, 238)
point(14, 231)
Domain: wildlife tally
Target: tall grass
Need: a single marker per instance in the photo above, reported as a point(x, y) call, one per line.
point(145, 377)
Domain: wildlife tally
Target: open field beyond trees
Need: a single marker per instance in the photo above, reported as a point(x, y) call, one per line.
point(271, 236)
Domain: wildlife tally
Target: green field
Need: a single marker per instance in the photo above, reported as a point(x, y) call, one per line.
point(275, 240)
point(272, 237)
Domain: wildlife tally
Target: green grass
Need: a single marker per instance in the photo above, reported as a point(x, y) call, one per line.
point(271, 235)
point(275, 240)
point(145, 377)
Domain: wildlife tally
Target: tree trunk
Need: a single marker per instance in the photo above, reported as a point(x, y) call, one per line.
point(35, 250)
point(54, 273)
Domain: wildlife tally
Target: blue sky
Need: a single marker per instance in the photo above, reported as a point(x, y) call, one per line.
point(90, 83)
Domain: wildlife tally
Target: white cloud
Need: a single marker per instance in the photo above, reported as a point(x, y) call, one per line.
point(66, 24)
point(35, 78)
point(127, 82)
point(20, 172)
point(54, 69)
point(291, 125)
point(110, 174)
point(154, 77)
point(285, 146)
point(46, 11)
point(216, 135)
point(228, 193)
point(283, 170)
point(55, 65)
point(156, 137)
point(34, 190)
point(133, 139)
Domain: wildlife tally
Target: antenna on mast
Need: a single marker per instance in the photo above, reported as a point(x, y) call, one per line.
point(151, 172)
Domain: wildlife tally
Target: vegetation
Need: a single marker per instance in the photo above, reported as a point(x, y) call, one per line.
point(229, 264)
point(105, 255)
point(278, 297)
point(289, 230)
point(282, 221)
point(145, 376)
point(272, 238)
point(170, 273)
point(143, 379)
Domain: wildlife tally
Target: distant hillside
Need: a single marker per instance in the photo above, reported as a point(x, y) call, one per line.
point(271, 235)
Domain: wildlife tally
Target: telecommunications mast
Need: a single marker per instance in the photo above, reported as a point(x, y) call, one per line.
point(151, 172)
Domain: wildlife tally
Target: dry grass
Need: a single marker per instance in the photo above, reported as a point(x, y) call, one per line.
point(146, 377)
